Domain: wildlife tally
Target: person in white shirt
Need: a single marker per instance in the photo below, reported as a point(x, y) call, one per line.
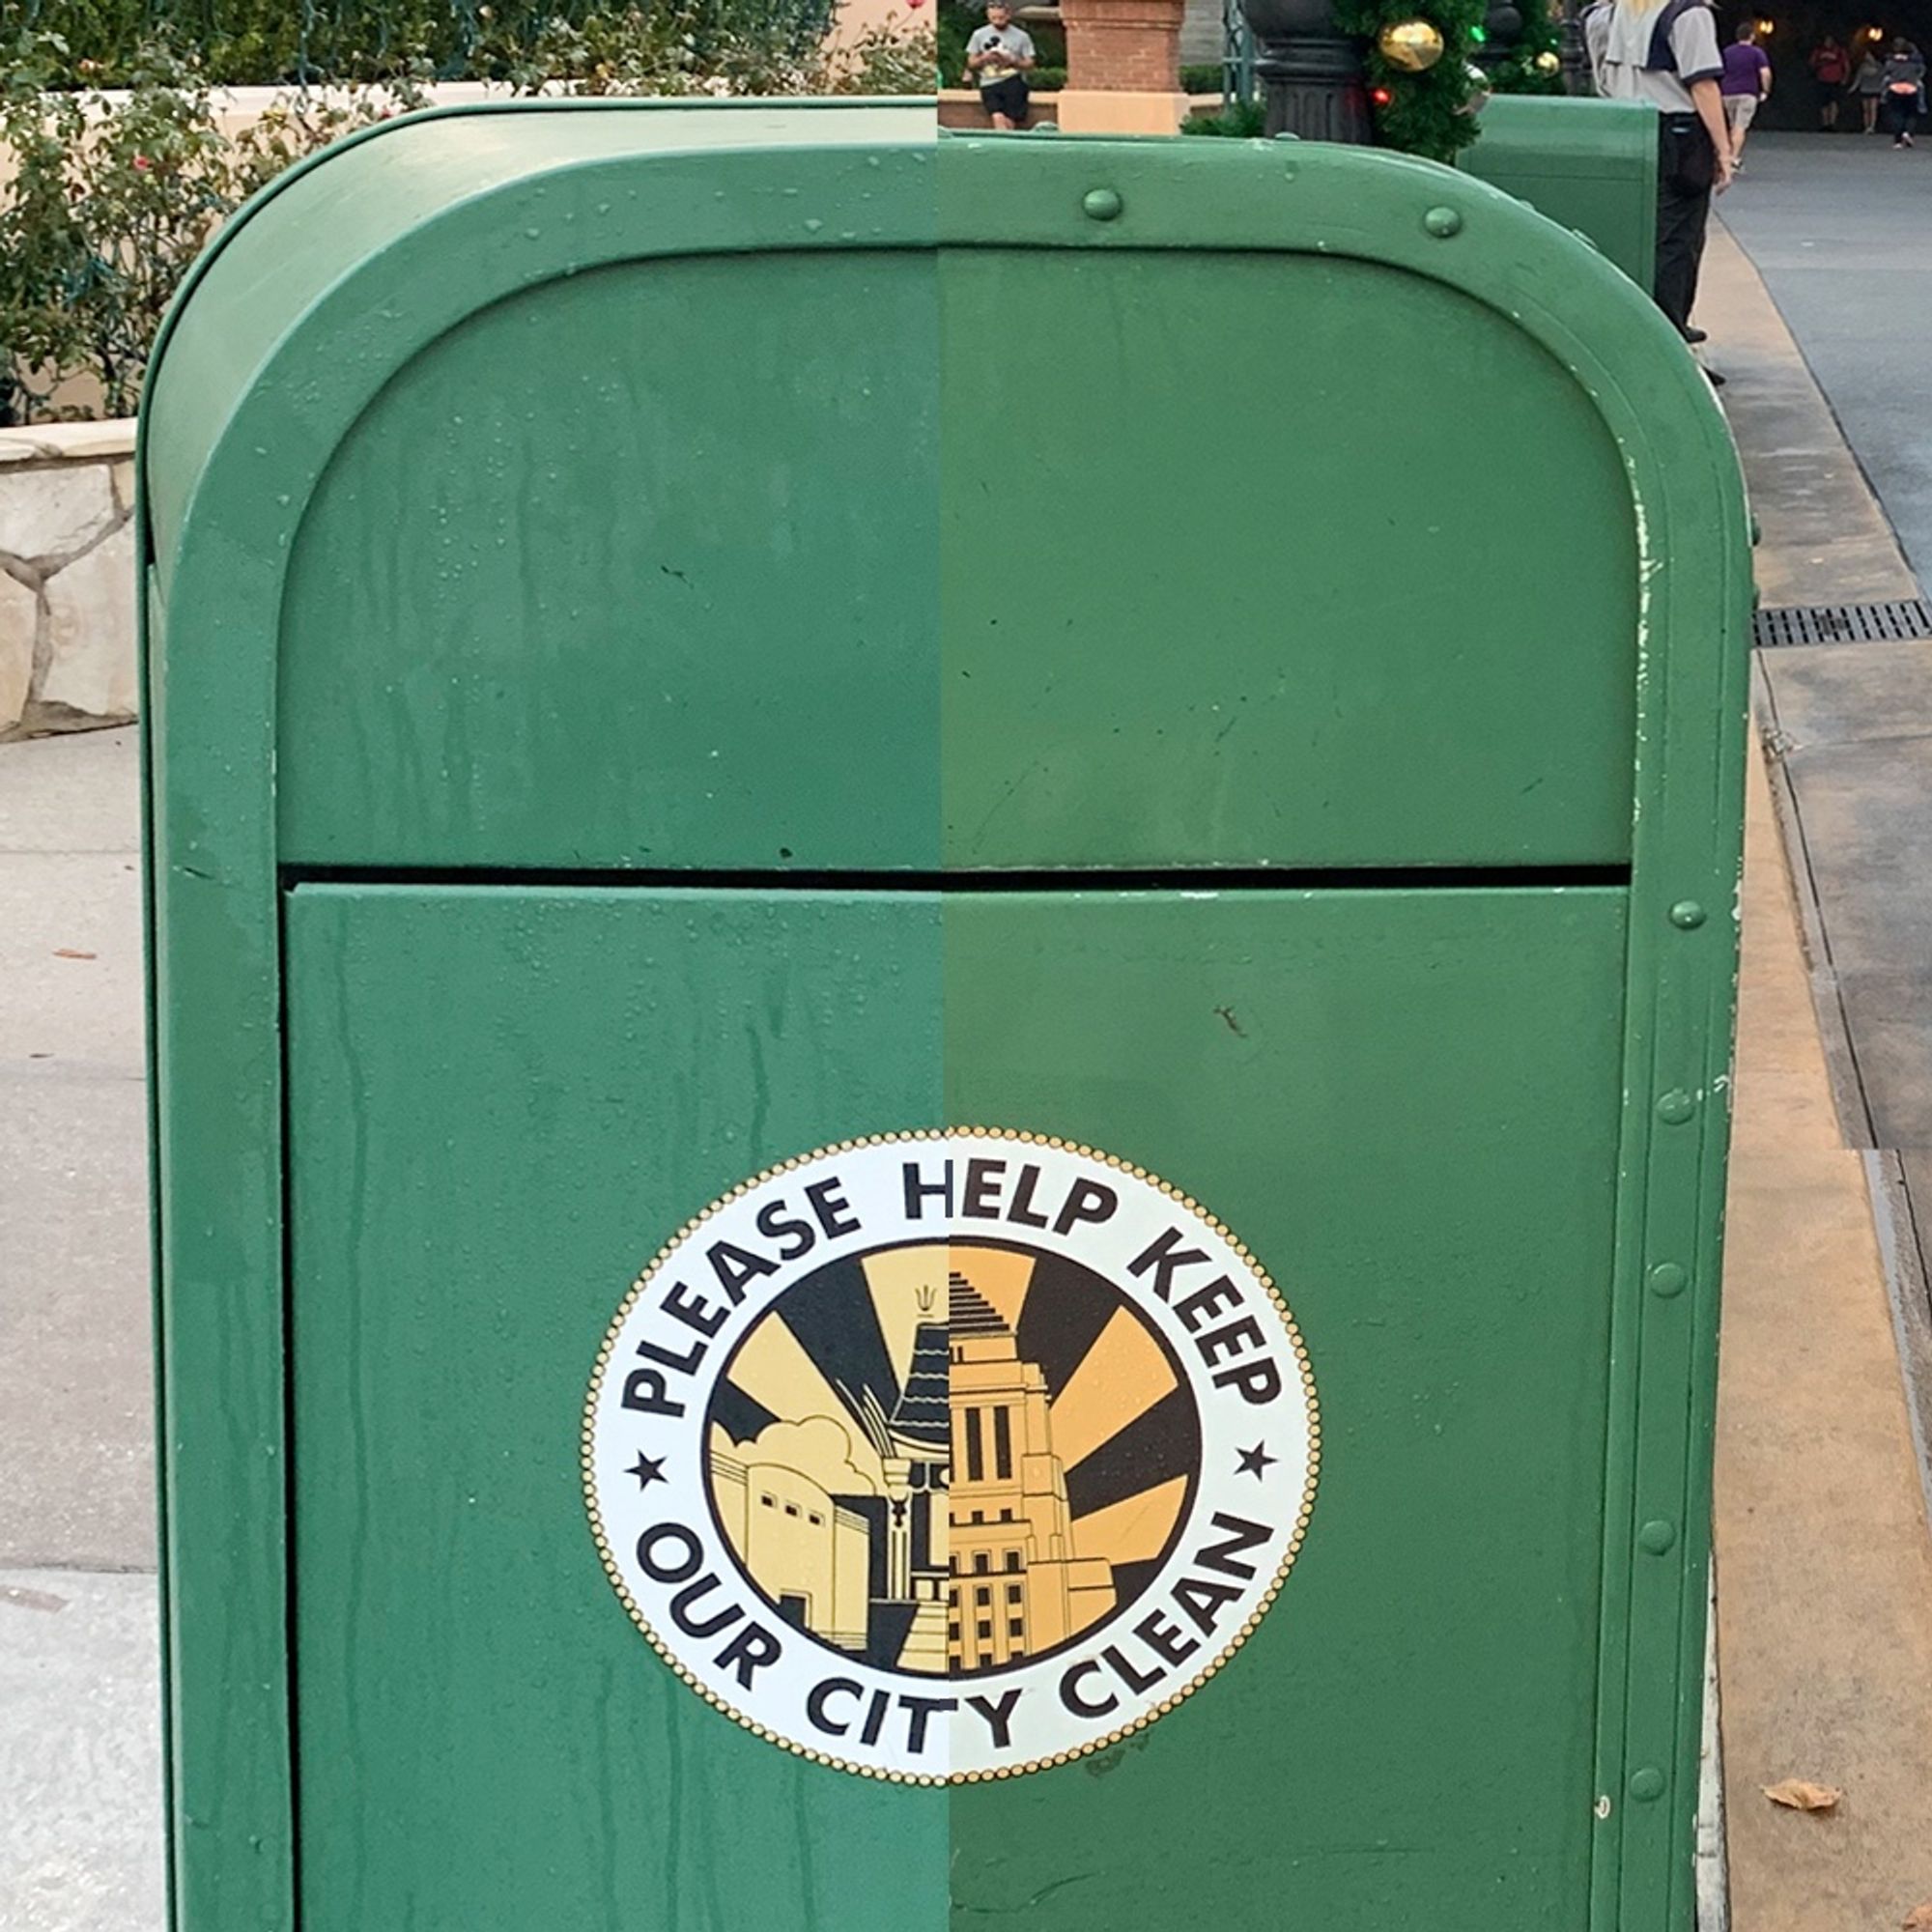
point(1665, 51)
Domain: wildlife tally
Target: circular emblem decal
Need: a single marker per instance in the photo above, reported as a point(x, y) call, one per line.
point(947, 1456)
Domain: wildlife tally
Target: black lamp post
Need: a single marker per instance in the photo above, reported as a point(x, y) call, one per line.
point(1502, 29)
point(1575, 55)
point(1312, 75)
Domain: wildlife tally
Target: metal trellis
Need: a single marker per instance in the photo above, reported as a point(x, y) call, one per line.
point(1237, 56)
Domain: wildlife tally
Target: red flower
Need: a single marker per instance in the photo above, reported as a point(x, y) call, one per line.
point(142, 164)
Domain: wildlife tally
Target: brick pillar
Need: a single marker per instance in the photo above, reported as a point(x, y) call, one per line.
point(1123, 67)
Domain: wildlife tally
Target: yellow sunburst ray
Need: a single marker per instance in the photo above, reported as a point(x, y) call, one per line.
point(775, 1370)
point(1136, 1528)
point(1125, 1374)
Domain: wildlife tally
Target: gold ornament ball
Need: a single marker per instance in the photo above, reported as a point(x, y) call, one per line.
point(1548, 62)
point(1414, 45)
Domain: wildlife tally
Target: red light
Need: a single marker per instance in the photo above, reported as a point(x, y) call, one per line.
point(1381, 96)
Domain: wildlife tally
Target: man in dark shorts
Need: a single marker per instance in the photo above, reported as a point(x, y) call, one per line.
point(998, 55)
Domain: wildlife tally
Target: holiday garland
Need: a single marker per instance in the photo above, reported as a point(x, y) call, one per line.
point(1427, 71)
point(1534, 64)
point(1427, 112)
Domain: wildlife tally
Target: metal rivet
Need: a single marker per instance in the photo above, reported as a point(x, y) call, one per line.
point(1602, 1807)
point(1676, 1107)
point(1657, 1536)
point(1100, 204)
point(1667, 1279)
point(1688, 914)
point(1443, 222)
point(1646, 1783)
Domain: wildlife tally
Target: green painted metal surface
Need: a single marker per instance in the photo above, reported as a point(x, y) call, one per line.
point(434, 1433)
point(682, 637)
point(1589, 164)
point(1422, 1634)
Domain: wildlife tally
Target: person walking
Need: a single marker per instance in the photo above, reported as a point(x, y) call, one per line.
point(1869, 84)
point(1747, 81)
point(1904, 91)
point(1665, 51)
point(1000, 55)
point(1831, 69)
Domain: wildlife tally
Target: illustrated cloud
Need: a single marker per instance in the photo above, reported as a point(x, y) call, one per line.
point(818, 1447)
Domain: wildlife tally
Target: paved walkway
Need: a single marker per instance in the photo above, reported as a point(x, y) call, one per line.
point(80, 1827)
point(1823, 1555)
point(1841, 231)
point(1840, 228)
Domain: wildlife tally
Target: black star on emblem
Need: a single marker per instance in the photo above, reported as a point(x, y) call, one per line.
point(646, 1470)
point(1254, 1460)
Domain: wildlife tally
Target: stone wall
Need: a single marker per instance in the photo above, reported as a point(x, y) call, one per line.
point(960, 109)
point(67, 577)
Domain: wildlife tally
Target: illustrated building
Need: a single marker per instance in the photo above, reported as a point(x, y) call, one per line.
point(811, 1554)
point(865, 1572)
point(914, 1443)
point(969, 1559)
point(1019, 1585)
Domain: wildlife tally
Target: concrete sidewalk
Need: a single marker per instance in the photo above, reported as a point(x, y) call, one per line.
point(1824, 1562)
point(80, 1818)
point(1840, 228)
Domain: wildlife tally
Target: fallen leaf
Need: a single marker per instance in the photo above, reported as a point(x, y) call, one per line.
point(1798, 1794)
point(30, 1600)
point(1919, 1917)
point(68, 952)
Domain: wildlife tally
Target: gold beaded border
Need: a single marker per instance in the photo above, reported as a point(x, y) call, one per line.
point(1114, 1737)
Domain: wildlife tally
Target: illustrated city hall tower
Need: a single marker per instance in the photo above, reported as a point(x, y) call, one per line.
point(1019, 1587)
point(941, 1540)
point(912, 1445)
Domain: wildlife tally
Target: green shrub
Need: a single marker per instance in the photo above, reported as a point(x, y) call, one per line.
point(111, 203)
point(113, 197)
point(955, 28)
point(1240, 119)
point(1201, 79)
point(273, 43)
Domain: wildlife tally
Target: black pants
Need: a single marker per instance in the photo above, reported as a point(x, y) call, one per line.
point(1687, 167)
point(1006, 97)
point(1899, 114)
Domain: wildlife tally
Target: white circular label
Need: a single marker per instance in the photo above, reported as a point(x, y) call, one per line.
point(947, 1456)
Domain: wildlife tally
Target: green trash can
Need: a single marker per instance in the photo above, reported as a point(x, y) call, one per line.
point(1590, 164)
point(943, 945)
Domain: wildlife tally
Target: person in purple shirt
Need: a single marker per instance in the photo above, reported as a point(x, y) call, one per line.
point(1747, 80)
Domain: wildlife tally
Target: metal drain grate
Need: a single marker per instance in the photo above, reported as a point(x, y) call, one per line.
point(1842, 623)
